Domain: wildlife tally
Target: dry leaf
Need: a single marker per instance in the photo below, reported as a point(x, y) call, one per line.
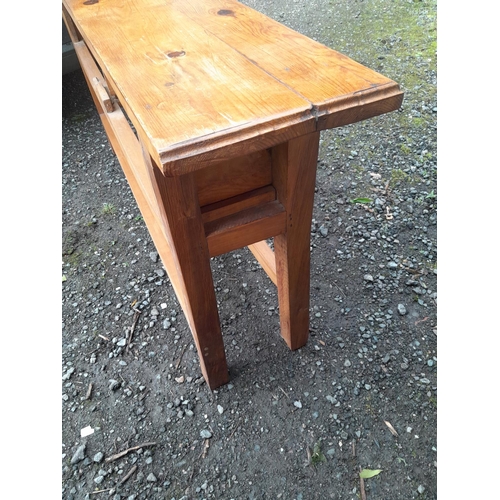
point(391, 428)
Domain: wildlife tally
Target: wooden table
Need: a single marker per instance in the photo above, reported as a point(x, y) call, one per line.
point(214, 112)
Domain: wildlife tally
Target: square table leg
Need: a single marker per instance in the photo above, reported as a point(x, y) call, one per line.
point(294, 177)
point(188, 265)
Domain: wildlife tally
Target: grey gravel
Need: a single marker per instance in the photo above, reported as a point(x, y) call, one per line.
point(402, 309)
point(114, 385)
point(79, 454)
point(68, 374)
point(373, 294)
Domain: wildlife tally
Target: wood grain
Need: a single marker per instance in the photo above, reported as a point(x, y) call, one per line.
point(265, 257)
point(183, 228)
point(181, 86)
point(230, 178)
point(237, 203)
point(329, 80)
point(294, 175)
point(245, 227)
point(223, 80)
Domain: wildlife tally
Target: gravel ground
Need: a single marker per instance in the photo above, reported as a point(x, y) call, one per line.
point(362, 394)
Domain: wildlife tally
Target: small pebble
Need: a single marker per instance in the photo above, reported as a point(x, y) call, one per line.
point(205, 434)
point(114, 385)
point(79, 454)
point(401, 309)
point(151, 478)
point(297, 404)
point(68, 374)
point(98, 457)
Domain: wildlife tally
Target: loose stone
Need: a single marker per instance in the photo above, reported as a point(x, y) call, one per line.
point(114, 385)
point(205, 434)
point(401, 309)
point(79, 454)
point(68, 374)
point(98, 457)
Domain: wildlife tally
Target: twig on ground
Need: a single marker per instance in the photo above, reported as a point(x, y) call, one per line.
point(421, 320)
point(284, 393)
point(234, 430)
point(340, 289)
point(362, 488)
point(191, 475)
point(89, 391)
point(206, 445)
point(137, 313)
point(391, 428)
point(129, 473)
point(180, 357)
point(100, 491)
point(92, 352)
point(128, 450)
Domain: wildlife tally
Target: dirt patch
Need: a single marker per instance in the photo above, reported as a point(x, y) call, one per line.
point(361, 394)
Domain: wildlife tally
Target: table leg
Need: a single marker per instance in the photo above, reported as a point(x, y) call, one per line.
point(294, 177)
point(188, 266)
